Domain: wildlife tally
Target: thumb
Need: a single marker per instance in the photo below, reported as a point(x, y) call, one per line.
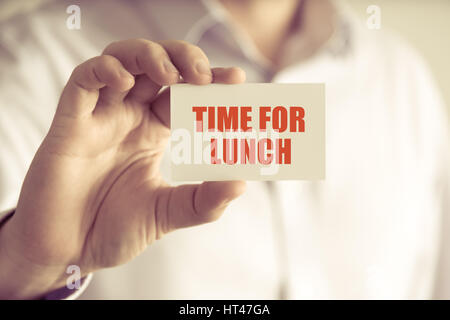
point(190, 205)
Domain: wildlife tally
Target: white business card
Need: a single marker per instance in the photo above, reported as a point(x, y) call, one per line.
point(248, 132)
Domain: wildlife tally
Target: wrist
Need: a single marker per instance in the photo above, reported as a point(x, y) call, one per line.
point(20, 279)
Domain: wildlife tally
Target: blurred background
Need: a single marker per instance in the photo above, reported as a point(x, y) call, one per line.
point(425, 24)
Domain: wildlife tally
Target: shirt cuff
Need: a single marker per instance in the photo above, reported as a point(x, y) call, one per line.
point(69, 294)
point(4, 215)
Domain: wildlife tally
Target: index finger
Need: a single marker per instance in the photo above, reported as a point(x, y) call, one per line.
point(161, 105)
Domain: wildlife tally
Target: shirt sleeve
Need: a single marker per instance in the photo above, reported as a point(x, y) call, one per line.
point(442, 281)
point(434, 139)
point(69, 294)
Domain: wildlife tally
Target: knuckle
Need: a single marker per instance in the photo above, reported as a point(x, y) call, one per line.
point(190, 51)
point(141, 40)
point(149, 49)
point(78, 69)
point(80, 75)
point(106, 61)
point(104, 66)
point(82, 70)
point(110, 47)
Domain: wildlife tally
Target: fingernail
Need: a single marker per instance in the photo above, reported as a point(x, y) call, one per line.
point(169, 67)
point(203, 68)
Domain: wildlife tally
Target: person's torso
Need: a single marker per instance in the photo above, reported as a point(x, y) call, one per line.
point(366, 231)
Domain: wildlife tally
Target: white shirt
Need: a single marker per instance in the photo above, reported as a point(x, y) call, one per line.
point(372, 229)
